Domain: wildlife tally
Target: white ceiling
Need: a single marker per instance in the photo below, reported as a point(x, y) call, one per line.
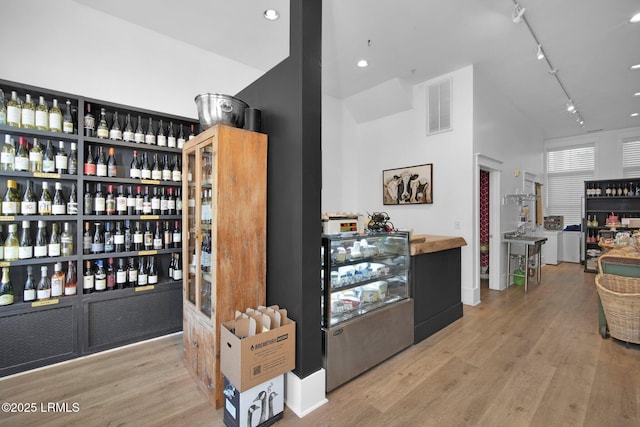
point(590, 43)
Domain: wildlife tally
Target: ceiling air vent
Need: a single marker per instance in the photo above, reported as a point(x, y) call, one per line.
point(439, 107)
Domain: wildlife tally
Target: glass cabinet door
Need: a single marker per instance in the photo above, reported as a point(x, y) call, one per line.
point(190, 226)
point(205, 222)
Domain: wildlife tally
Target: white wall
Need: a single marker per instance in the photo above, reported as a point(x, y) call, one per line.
point(608, 149)
point(400, 140)
point(65, 46)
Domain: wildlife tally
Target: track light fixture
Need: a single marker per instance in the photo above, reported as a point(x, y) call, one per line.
point(517, 17)
point(518, 12)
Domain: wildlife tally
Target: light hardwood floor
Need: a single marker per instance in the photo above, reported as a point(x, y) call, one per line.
point(513, 360)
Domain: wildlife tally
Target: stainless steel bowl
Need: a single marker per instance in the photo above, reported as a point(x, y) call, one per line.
point(214, 109)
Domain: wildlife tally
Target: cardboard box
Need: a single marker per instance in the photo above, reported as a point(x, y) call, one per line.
point(252, 360)
point(261, 405)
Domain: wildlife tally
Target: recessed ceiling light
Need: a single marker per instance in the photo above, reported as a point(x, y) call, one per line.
point(635, 114)
point(635, 18)
point(635, 67)
point(362, 63)
point(271, 14)
point(636, 94)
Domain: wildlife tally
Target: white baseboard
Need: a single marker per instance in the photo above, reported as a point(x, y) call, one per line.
point(305, 395)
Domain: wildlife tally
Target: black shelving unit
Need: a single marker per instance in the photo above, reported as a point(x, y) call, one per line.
point(626, 205)
point(44, 332)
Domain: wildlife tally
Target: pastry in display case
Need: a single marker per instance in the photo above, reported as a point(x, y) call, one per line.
point(365, 300)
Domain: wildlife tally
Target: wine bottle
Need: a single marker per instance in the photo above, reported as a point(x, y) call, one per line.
point(42, 115)
point(43, 291)
point(99, 202)
point(67, 119)
point(166, 168)
point(118, 238)
point(171, 137)
point(177, 268)
point(145, 169)
point(139, 205)
point(143, 276)
point(112, 166)
point(128, 236)
point(88, 200)
point(13, 110)
point(72, 166)
point(3, 109)
point(35, 156)
point(178, 201)
point(89, 163)
point(29, 204)
point(110, 201)
point(6, 288)
point(177, 235)
point(101, 163)
point(59, 205)
point(100, 277)
point(192, 134)
point(116, 132)
point(25, 251)
point(134, 168)
point(57, 281)
point(11, 201)
point(171, 202)
point(121, 274)
point(138, 237)
point(87, 239)
point(2, 239)
point(138, 135)
point(146, 202)
point(88, 279)
point(181, 139)
point(108, 238)
point(121, 201)
point(48, 160)
point(28, 113)
point(40, 249)
point(152, 273)
point(21, 159)
point(157, 237)
point(62, 160)
point(132, 273)
point(161, 138)
point(66, 240)
point(29, 288)
point(12, 244)
point(89, 123)
point(131, 201)
point(103, 127)
point(71, 280)
point(167, 236)
point(170, 269)
point(155, 202)
point(111, 275)
point(8, 154)
point(72, 204)
point(148, 237)
point(54, 241)
point(164, 203)
point(97, 245)
point(150, 136)
point(55, 117)
point(127, 134)
point(46, 201)
point(156, 171)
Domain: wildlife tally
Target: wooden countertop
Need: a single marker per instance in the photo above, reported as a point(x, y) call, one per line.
point(428, 243)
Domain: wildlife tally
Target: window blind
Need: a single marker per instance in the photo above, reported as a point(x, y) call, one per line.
point(567, 170)
point(631, 159)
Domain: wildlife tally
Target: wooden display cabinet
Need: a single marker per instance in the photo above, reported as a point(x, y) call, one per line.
point(224, 242)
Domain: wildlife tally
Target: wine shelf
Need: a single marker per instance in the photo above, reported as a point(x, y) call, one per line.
point(99, 320)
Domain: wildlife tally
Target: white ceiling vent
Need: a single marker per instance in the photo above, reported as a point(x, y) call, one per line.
point(439, 107)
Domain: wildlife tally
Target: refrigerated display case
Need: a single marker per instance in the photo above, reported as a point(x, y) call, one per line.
point(367, 315)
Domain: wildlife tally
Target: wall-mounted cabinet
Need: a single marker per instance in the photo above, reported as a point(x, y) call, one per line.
point(104, 214)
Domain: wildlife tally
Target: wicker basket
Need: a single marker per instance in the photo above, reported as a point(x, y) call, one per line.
point(620, 298)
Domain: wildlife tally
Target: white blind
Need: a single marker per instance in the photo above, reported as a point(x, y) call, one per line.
point(631, 159)
point(567, 170)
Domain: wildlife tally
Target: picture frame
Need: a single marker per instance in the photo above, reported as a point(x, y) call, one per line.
point(411, 185)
